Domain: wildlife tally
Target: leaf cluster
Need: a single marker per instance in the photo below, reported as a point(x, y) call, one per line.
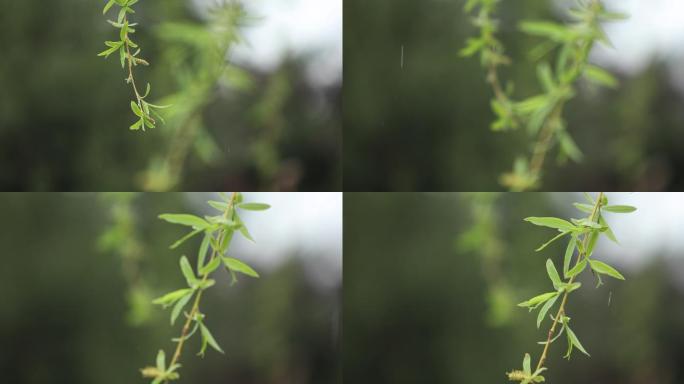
point(217, 231)
point(584, 234)
point(140, 107)
point(562, 57)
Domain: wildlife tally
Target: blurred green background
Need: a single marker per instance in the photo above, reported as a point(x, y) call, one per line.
point(65, 113)
point(432, 281)
point(79, 271)
point(424, 125)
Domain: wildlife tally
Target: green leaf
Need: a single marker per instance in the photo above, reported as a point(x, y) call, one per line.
point(609, 232)
point(593, 239)
point(187, 271)
point(526, 364)
point(171, 297)
point(577, 269)
point(210, 267)
point(553, 31)
point(569, 146)
point(122, 56)
point(600, 76)
point(552, 222)
point(185, 219)
point(605, 269)
point(254, 206)
point(204, 247)
point(572, 338)
point(225, 241)
point(207, 336)
point(239, 266)
point(108, 6)
point(108, 51)
point(178, 308)
point(537, 300)
point(584, 207)
point(541, 247)
point(546, 77)
point(545, 309)
point(219, 205)
point(619, 208)
point(553, 273)
point(184, 239)
point(161, 361)
point(137, 125)
point(136, 109)
point(567, 259)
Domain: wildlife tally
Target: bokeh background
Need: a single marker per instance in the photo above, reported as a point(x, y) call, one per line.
point(433, 281)
point(270, 122)
point(79, 271)
point(424, 125)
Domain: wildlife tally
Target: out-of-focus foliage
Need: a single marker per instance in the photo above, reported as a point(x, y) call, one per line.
point(483, 239)
point(122, 239)
point(63, 125)
point(428, 318)
point(416, 115)
point(62, 318)
point(563, 60)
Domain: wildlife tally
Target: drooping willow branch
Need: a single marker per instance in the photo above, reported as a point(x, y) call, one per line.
point(542, 114)
point(218, 232)
point(584, 234)
point(141, 108)
point(196, 53)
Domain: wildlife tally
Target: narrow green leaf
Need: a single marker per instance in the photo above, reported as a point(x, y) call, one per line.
point(171, 297)
point(209, 338)
point(619, 208)
point(137, 125)
point(210, 267)
point(553, 273)
point(184, 238)
point(553, 31)
point(178, 308)
point(187, 271)
point(526, 364)
point(605, 269)
point(569, 251)
point(600, 76)
point(537, 300)
point(577, 269)
point(108, 6)
point(541, 247)
point(552, 222)
point(584, 207)
point(593, 239)
point(254, 206)
point(545, 309)
point(161, 360)
point(239, 266)
point(219, 205)
point(136, 109)
point(204, 247)
point(185, 219)
point(575, 341)
point(608, 232)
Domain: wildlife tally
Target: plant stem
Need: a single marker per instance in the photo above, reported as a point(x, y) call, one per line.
point(198, 298)
point(561, 310)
